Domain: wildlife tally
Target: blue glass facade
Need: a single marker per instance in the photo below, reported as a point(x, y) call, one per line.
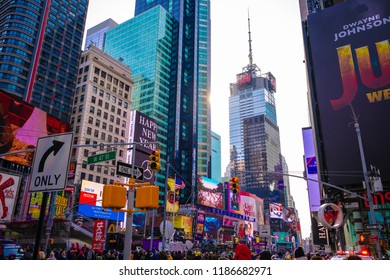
point(188, 148)
point(254, 134)
point(143, 43)
point(40, 48)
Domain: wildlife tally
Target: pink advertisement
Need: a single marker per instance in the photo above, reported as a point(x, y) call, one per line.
point(210, 192)
point(9, 188)
point(252, 206)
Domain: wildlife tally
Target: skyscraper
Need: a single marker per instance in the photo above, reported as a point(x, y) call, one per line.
point(188, 137)
point(101, 113)
point(97, 34)
point(143, 43)
point(40, 47)
point(254, 133)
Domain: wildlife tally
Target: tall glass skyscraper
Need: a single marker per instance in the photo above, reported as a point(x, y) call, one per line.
point(254, 132)
point(189, 140)
point(144, 44)
point(40, 47)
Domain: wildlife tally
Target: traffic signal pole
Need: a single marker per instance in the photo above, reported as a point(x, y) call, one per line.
point(129, 217)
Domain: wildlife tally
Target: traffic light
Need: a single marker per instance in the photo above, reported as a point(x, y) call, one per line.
point(114, 196)
point(234, 185)
point(154, 163)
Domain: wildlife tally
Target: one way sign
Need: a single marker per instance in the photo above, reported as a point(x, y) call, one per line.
point(127, 170)
point(51, 163)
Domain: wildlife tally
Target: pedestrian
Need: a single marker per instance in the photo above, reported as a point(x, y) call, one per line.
point(299, 254)
point(51, 256)
point(352, 257)
point(316, 257)
point(242, 252)
point(265, 255)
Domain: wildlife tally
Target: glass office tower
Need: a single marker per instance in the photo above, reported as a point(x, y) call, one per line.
point(39, 50)
point(144, 44)
point(254, 133)
point(189, 140)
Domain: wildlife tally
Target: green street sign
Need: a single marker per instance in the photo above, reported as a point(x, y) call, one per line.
point(102, 157)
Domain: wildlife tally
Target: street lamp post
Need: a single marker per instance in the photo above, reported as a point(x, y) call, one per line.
point(366, 181)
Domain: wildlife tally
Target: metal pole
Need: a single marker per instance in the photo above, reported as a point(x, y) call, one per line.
point(129, 218)
point(41, 221)
point(165, 207)
point(367, 184)
point(152, 231)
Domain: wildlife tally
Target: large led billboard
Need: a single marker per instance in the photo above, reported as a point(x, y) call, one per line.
point(210, 192)
point(350, 51)
point(142, 129)
point(311, 170)
point(21, 125)
point(90, 203)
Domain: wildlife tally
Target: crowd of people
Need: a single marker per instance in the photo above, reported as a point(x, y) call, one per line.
point(240, 252)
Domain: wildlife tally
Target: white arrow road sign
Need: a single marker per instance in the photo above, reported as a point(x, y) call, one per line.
point(51, 163)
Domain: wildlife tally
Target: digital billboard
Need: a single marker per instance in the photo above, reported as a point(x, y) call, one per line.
point(90, 203)
point(311, 170)
point(9, 189)
point(252, 206)
point(210, 192)
point(143, 129)
point(350, 51)
point(21, 125)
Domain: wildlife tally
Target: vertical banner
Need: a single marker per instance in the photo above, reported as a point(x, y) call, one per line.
point(200, 225)
point(173, 196)
point(9, 188)
point(99, 236)
point(311, 169)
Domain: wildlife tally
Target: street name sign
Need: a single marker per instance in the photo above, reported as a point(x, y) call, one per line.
point(102, 157)
point(374, 226)
point(51, 163)
point(127, 170)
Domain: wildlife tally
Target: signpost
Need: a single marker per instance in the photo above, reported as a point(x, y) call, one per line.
point(102, 157)
point(51, 163)
point(127, 170)
point(374, 226)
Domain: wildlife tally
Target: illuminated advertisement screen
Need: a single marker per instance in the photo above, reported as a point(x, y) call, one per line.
point(9, 189)
point(311, 170)
point(210, 192)
point(90, 203)
point(142, 129)
point(252, 206)
point(212, 224)
point(22, 124)
point(234, 200)
point(351, 60)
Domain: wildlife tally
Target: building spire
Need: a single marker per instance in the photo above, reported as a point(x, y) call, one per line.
point(251, 68)
point(250, 43)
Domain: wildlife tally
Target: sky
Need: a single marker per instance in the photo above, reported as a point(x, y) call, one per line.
point(277, 47)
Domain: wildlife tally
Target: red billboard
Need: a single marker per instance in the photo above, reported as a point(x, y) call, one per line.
point(350, 51)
